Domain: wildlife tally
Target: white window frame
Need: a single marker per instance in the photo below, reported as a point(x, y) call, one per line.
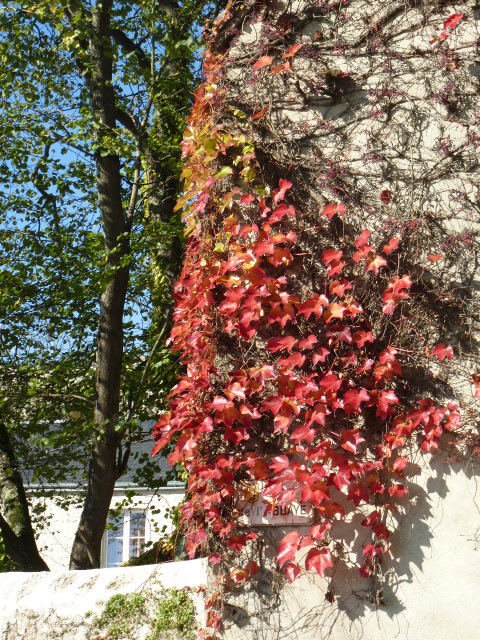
point(127, 515)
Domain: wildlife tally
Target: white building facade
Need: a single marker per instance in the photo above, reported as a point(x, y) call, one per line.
point(138, 516)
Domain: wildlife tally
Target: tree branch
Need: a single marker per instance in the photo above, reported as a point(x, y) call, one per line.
point(130, 46)
point(127, 120)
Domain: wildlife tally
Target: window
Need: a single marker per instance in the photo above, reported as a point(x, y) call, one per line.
point(124, 538)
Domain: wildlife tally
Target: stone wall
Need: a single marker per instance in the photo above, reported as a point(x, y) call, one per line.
point(54, 605)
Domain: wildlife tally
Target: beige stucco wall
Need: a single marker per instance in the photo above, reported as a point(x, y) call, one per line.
point(430, 586)
point(431, 582)
point(432, 576)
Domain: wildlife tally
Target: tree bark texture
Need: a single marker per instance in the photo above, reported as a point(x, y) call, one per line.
point(15, 524)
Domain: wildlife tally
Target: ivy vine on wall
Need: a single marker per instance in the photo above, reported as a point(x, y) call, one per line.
point(327, 312)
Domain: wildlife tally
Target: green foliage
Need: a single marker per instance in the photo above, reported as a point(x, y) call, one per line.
point(53, 259)
point(170, 614)
point(175, 612)
point(122, 616)
point(5, 562)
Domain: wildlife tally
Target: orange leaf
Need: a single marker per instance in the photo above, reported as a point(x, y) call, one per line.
point(264, 61)
point(280, 68)
point(295, 48)
point(332, 209)
point(261, 114)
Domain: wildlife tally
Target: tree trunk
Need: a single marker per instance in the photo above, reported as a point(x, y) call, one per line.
point(15, 524)
point(105, 462)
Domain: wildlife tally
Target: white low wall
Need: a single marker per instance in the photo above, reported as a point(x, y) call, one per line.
point(50, 605)
point(433, 576)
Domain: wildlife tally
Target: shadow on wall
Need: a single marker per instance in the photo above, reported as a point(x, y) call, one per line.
point(434, 547)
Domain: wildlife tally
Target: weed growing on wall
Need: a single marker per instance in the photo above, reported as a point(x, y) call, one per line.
point(168, 615)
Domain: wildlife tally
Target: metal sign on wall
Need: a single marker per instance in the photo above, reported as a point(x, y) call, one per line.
point(257, 511)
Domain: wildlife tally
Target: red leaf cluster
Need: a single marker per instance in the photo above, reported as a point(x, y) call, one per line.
point(325, 375)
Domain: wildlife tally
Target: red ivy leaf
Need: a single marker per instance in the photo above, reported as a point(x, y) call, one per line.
point(375, 516)
point(287, 548)
point(386, 196)
point(361, 337)
point(375, 264)
point(264, 61)
point(476, 385)
point(308, 343)
point(400, 464)
point(449, 25)
point(280, 212)
point(391, 246)
point(320, 355)
point(335, 268)
point(314, 304)
point(373, 551)
point(362, 253)
point(279, 194)
point(397, 490)
point(238, 542)
point(193, 540)
point(238, 576)
point(453, 21)
point(261, 114)
point(247, 200)
point(334, 311)
point(304, 434)
point(338, 289)
point(279, 463)
point(384, 403)
point(279, 68)
point(281, 344)
point(330, 382)
point(294, 360)
point(350, 440)
point(319, 560)
point(362, 239)
point(295, 48)
point(282, 422)
point(435, 258)
point(441, 352)
point(292, 571)
point(330, 255)
point(333, 209)
point(353, 399)
point(319, 531)
point(273, 404)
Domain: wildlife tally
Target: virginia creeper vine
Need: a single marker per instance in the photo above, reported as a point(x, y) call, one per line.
point(315, 334)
